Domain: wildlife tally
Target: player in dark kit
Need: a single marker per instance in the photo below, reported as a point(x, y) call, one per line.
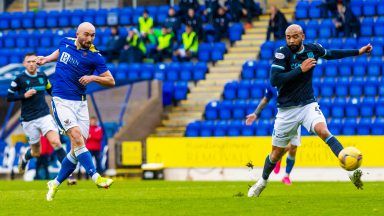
point(30, 87)
point(291, 73)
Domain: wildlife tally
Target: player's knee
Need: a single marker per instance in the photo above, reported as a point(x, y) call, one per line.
point(76, 137)
point(292, 151)
point(55, 143)
point(322, 130)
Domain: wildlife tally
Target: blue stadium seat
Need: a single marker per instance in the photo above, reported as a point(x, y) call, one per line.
point(337, 110)
point(268, 112)
point(147, 71)
point(378, 43)
point(364, 126)
point(235, 32)
point(314, 10)
point(173, 71)
point(359, 67)
point(199, 71)
point(125, 16)
point(204, 53)
point(206, 128)
point(378, 126)
point(371, 87)
point(40, 18)
point(349, 127)
point(367, 27)
point(5, 20)
point(16, 20)
point(220, 129)
point(248, 130)
point(101, 17)
point(369, 8)
point(353, 108)
point(193, 129)
point(325, 104)
point(327, 28)
point(257, 90)
point(335, 125)
point(122, 71)
point(235, 128)
point(327, 90)
point(89, 15)
point(367, 107)
point(268, 50)
point(301, 11)
point(10, 42)
point(350, 43)
point(181, 90)
point(263, 128)
point(168, 89)
point(262, 70)
point(52, 19)
point(65, 18)
point(355, 89)
point(230, 90)
point(380, 108)
point(345, 67)
point(47, 35)
point(186, 70)
point(77, 17)
point(356, 6)
point(342, 87)
point(248, 71)
point(238, 111)
point(243, 91)
point(380, 8)
point(318, 71)
point(211, 110)
point(225, 110)
point(218, 51)
point(374, 67)
point(134, 71)
point(379, 26)
point(331, 69)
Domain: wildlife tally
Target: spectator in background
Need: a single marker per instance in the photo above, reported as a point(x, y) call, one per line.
point(134, 49)
point(346, 22)
point(277, 24)
point(172, 22)
point(211, 7)
point(43, 160)
point(236, 10)
point(114, 44)
point(94, 140)
point(220, 23)
point(252, 10)
point(163, 48)
point(190, 45)
point(195, 22)
point(145, 24)
point(185, 5)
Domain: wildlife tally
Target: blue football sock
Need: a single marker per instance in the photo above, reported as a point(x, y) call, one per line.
point(28, 155)
point(60, 153)
point(268, 167)
point(334, 144)
point(85, 159)
point(68, 165)
point(290, 164)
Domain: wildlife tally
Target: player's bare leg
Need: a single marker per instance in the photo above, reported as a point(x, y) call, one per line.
point(276, 170)
point(269, 165)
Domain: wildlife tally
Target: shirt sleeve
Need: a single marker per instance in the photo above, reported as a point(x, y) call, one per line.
point(13, 91)
point(268, 93)
point(279, 59)
point(320, 51)
point(14, 87)
point(100, 65)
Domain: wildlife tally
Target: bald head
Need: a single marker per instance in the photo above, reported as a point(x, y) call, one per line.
point(294, 36)
point(294, 29)
point(85, 35)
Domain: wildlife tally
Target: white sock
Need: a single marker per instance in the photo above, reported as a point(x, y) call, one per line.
point(95, 177)
point(55, 182)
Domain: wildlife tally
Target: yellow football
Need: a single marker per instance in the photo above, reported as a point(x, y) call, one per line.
point(350, 158)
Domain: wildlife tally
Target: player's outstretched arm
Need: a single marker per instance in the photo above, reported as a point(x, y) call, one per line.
point(338, 54)
point(105, 79)
point(41, 60)
point(255, 115)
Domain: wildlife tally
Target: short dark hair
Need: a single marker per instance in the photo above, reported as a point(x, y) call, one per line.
point(93, 117)
point(29, 54)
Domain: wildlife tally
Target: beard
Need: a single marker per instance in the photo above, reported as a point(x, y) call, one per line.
point(295, 48)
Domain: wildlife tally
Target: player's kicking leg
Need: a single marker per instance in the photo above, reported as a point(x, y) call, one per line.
point(269, 165)
point(322, 131)
point(33, 151)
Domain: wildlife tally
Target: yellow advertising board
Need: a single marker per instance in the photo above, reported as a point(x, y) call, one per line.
point(238, 151)
point(131, 153)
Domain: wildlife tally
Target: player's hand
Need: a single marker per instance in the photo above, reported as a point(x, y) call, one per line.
point(308, 64)
point(365, 49)
point(85, 80)
point(30, 93)
point(41, 60)
point(250, 119)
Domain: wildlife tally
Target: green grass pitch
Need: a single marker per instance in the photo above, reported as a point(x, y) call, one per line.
point(192, 198)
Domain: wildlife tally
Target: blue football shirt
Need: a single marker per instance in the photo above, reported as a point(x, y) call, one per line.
point(72, 64)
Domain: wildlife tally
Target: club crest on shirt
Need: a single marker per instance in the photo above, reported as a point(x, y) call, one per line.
point(310, 55)
point(67, 122)
point(84, 54)
point(41, 80)
point(279, 55)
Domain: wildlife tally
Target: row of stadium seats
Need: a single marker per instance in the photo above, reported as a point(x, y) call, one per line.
point(269, 47)
point(207, 51)
point(174, 71)
point(337, 107)
point(367, 8)
point(359, 67)
point(327, 87)
point(325, 28)
point(72, 18)
point(345, 126)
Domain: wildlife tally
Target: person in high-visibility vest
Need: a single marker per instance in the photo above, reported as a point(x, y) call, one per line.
point(190, 45)
point(164, 45)
point(145, 24)
point(134, 49)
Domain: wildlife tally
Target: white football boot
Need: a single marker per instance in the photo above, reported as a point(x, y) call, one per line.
point(257, 188)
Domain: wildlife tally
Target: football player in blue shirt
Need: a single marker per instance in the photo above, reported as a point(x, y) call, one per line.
point(29, 88)
point(291, 72)
point(270, 93)
point(78, 64)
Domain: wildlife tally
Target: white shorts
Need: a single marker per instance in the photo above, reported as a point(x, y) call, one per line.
point(288, 121)
point(71, 113)
point(33, 129)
